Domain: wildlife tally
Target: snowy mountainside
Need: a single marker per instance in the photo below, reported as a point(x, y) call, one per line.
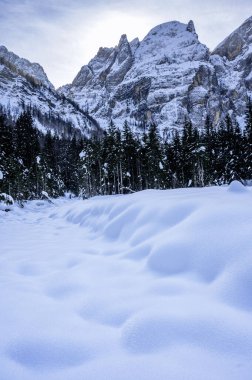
point(146, 83)
point(24, 67)
point(132, 285)
point(25, 84)
point(233, 65)
point(236, 42)
point(165, 78)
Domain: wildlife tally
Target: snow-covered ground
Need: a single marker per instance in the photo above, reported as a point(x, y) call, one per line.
point(155, 285)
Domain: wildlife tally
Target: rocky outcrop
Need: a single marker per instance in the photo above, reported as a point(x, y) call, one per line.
point(121, 65)
point(234, 44)
point(232, 60)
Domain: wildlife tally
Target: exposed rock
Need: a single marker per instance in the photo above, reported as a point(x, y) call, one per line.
point(147, 78)
point(121, 64)
point(191, 27)
point(233, 45)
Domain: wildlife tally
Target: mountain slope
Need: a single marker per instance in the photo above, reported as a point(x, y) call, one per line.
point(233, 65)
point(24, 84)
point(167, 77)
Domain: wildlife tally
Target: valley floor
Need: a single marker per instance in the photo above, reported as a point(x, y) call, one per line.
point(149, 286)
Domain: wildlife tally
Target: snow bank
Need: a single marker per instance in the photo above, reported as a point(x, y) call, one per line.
point(129, 287)
point(237, 187)
point(177, 231)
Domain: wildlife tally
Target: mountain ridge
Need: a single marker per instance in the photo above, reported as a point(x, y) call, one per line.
point(25, 85)
point(173, 77)
point(166, 78)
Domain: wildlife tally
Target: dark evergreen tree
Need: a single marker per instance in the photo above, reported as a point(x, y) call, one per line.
point(174, 161)
point(7, 161)
point(154, 159)
point(248, 141)
point(189, 142)
point(51, 181)
point(210, 145)
point(128, 160)
point(27, 141)
point(27, 149)
point(111, 151)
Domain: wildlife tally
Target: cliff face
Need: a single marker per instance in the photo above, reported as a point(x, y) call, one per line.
point(167, 77)
point(232, 60)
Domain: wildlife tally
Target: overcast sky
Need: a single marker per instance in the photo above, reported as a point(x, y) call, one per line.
point(63, 35)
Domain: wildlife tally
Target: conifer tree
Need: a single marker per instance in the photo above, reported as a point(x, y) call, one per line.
point(210, 151)
point(248, 140)
point(128, 159)
point(51, 182)
point(154, 158)
point(7, 164)
point(189, 144)
point(27, 149)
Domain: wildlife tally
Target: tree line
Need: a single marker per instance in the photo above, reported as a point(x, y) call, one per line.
point(33, 165)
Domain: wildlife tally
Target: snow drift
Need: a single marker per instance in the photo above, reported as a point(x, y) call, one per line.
point(152, 285)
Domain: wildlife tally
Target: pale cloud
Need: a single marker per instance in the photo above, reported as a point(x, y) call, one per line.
point(63, 35)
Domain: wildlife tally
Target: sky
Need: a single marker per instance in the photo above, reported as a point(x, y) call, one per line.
point(63, 35)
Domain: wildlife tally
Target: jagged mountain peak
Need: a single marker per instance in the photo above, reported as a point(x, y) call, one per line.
point(123, 39)
point(165, 78)
point(134, 44)
point(233, 45)
point(191, 28)
point(104, 67)
point(172, 29)
point(24, 67)
point(123, 49)
point(171, 39)
point(169, 28)
point(161, 40)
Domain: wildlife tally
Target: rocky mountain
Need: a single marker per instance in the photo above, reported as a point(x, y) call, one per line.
point(24, 84)
point(167, 77)
point(232, 61)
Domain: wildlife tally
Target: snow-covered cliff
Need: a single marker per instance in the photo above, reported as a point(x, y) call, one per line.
point(24, 84)
point(167, 77)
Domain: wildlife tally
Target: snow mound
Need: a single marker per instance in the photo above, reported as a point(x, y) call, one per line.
point(48, 354)
point(150, 225)
point(152, 331)
point(237, 187)
point(235, 285)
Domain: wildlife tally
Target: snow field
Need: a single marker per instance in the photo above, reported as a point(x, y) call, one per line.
point(152, 285)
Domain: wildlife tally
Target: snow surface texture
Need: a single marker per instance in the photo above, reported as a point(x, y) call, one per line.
point(152, 285)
